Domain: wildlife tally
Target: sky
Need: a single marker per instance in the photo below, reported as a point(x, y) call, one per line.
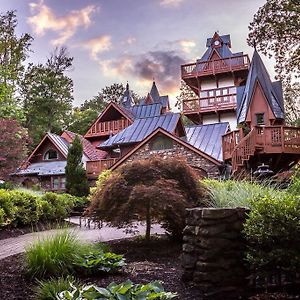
point(115, 41)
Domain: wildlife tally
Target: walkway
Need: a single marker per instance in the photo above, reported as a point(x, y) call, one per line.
point(12, 246)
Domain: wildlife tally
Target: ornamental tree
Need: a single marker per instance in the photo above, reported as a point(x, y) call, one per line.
point(76, 179)
point(154, 190)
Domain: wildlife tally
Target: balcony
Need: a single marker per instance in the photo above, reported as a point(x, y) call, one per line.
point(95, 167)
point(213, 67)
point(107, 128)
point(211, 101)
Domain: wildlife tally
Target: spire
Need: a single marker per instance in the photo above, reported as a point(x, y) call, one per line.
point(126, 99)
point(154, 93)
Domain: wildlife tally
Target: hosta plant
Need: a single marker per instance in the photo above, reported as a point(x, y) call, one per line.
point(123, 291)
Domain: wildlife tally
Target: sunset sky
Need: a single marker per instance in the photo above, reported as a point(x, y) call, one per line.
point(131, 40)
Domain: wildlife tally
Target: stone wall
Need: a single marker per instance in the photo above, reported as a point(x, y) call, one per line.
point(213, 252)
point(193, 159)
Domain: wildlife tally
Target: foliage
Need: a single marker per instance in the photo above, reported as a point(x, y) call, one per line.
point(13, 53)
point(63, 254)
point(125, 290)
point(100, 261)
point(100, 183)
point(76, 179)
point(151, 190)
point(292, 102)
point(47, 95)
point(52, 256)
point(185, 94)
point(13, 146)
point(275, 30)
point(233, 193)
point(273, 233)
point(48, 290)
point(23, 207)
point(294, 187)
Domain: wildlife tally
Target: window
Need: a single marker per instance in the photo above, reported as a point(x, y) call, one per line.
point(260, 119)
point(50, 154)
point(161, 143)
point(58, 183)
point(55, 183)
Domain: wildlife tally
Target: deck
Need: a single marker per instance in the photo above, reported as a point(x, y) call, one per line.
point(213, 67)
point(260, 140)
point(107, 128)
point(95, 167)
point(212, 100)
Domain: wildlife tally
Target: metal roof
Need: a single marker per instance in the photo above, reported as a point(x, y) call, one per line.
point(146, 111)
point(141, 128)
point(207, 138)
point(44, 168)
point(60, 142)
point(272, 91)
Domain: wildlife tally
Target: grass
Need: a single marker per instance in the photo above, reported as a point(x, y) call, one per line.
point(53, 256)
point(48, 290)
point(232, 193)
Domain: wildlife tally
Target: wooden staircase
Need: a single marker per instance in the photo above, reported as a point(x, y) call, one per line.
point(265, 140)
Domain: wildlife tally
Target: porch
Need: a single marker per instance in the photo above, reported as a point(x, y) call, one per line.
point(95, 167)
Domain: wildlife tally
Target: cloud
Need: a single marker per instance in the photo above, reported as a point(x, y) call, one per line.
point(130, 40)
point(187, 45)
point(98, 45)
point(163, 66)
point(170, 3)
point(44, 19)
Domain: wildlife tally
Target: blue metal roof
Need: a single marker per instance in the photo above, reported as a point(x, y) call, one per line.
point(44, 168)
point(272, 91)
point(141, 128)
point(207, 138)
point(146, 111)
point(60, 142)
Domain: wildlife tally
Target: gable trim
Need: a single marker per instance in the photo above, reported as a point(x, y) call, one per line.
point(175, 138)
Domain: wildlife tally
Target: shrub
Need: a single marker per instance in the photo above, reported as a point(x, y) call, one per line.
point(53, 256)
point(125, 290)
point(150, 190)
point(7, 207)
point(48, 290)
point(273, 233)
point(232, 193)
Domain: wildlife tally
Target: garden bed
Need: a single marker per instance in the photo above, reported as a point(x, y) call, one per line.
point(159, 260)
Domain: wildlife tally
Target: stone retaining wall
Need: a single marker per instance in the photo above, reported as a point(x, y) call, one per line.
point(213, 252)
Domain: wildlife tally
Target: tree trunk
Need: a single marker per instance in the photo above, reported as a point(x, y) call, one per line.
point(148, 222)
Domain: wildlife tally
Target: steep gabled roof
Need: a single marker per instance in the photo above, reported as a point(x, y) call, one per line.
point(141, 128)
point(145, 111)
point(160, 130)
point(207, 138)
point(272, 91)
point(88, 149)
point(154, 93)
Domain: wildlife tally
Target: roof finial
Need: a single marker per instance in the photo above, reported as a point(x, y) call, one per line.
point(254, 45)
point(127, 86)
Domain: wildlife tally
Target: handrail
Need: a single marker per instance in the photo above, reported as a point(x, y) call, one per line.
point(108, 127)
point(95, 167)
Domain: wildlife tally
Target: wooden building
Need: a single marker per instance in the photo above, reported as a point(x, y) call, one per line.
point(238, 116)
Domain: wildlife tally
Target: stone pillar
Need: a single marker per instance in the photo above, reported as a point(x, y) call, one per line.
point(213, 252)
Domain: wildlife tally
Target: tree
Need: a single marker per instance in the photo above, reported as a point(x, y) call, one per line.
point(151, 190)
point(13, 52)
point(275, 31)
point(76, 179)
point(13, 146)
point(292, 102)
point(47, 95)
point(185, 94)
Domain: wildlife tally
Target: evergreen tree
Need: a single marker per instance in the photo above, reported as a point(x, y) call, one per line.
point(76, 179)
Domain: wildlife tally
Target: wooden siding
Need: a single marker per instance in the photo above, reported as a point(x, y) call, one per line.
point(94, 168)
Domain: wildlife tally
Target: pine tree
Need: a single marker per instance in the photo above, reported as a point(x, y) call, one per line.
point(76, 179)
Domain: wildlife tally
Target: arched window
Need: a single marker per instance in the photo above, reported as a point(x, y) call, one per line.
point(161, 143)
point(50, 154)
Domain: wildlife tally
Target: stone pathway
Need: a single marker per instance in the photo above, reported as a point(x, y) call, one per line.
point(18, 244)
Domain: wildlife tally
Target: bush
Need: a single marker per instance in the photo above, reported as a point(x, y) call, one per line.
point(125, 290)
point(151, 190)
point(232, 193)
point(48, 290)
point(63, 254)
point(273, 233)
point(53, 256)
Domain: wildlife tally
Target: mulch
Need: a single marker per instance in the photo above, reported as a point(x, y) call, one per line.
point(157, 260)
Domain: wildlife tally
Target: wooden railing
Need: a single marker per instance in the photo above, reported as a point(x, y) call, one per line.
point(108, 127)
point(262, 139)
point(95, 167)
point(211, 100)
point(212, 67)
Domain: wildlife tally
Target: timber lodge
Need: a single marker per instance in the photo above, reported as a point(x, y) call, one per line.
point(237, 117)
